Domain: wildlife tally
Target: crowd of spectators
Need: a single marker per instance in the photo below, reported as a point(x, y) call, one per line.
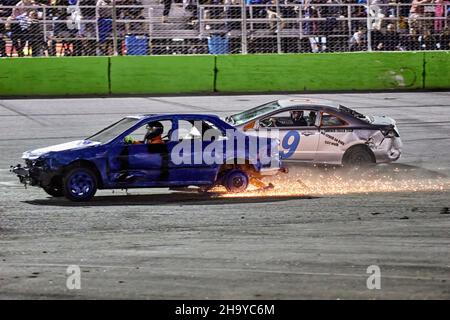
point(341, 25)
point(85, 27)
point(67, 27)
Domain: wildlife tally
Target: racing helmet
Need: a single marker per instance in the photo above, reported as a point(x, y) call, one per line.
point(296, 114)
point(154, 129)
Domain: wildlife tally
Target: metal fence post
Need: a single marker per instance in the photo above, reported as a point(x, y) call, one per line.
point(279, 24)
point(114, 25)
point(446, 9)
point(44, 21)
point(244, 27)
point(150, 29)
point(369, 28)
point(349, 20)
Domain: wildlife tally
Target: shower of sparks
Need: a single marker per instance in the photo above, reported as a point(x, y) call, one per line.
point(329, 181)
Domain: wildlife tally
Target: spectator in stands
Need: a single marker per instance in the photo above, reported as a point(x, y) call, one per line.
point(416, 13)
point(16, 35)
point(23, 6)
point(444, 40)
point(191, 6)
point(288, 11)
point(75, 29)
point(392, 38)
point(17, 23)
point(74, 17)
point(258, 11)
point(2, 38)
point(404, 8)
point(427, 41)
point(357, 41)
point(378, 39)
point(331, 13)
point(88, 12)
point(274, 15)
point(410, 42)
point(310, 12)
point(376, 14)
point(103, 12)
point(167, 6)
point(35, 35)
point(57, 15)
point(233, 12)
point(6, 12)
point(360, 13)
point(439, 13)
point(402, 12)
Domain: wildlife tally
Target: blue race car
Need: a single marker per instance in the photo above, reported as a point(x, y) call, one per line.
point(151, 151)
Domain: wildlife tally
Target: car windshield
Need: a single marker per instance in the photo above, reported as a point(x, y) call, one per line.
point(254, 113)
point(113, 130)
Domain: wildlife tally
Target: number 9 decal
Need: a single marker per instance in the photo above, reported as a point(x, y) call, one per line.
point(290, 144)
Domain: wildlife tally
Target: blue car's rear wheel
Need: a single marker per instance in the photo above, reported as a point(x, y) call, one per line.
point(80, 184)
point(236, 181)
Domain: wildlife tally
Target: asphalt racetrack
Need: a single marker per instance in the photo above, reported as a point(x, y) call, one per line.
point(313, 236)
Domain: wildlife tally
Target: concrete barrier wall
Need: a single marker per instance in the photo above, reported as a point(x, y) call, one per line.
point(334, 71)
point(162, 74)
point(437, 70)
point(54, 76)
point(224, 73)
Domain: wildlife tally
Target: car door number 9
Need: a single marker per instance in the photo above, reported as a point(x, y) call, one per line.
point(289, 144)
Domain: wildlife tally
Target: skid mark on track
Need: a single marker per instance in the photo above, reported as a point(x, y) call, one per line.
point(41, 123)
point(164, 270)
point(179, 104)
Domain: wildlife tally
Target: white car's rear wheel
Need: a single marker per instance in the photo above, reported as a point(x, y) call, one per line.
point(358, 156)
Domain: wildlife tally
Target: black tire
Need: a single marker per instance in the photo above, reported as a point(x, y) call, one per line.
point(54, 190)
point(358, 156)
point(79, 184)
point(236, 181)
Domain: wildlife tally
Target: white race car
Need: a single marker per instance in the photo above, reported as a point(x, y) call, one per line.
point(321, 131)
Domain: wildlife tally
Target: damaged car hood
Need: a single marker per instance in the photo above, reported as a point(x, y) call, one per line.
point(79, 144)
point(381, 120)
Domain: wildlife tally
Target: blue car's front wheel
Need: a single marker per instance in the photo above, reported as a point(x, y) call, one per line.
point(80, 184)
point(236, 181)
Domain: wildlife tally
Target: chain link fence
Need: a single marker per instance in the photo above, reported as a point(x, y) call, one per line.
point(155, 27)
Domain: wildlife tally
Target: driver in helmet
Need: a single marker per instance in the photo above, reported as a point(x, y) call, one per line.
point(153, 135)
point(298, 119)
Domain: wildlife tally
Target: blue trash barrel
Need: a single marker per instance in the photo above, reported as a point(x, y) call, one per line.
point(136, 45)
point(218, 44)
